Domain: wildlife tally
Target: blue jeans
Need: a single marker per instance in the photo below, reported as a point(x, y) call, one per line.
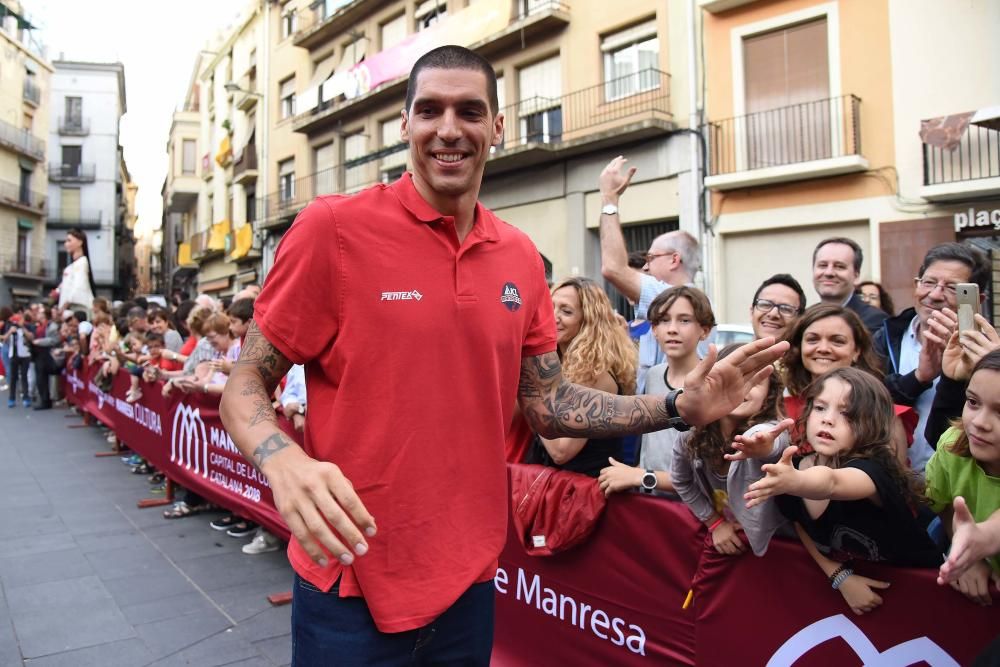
point(330, 630)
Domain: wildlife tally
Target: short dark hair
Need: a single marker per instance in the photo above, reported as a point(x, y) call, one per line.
point(974, 258)
point(789, 282)
point(700, 304)
point(141, 302)
point(859, 255)
point(80, 315)
point(454, 57)
point(242, 309)
point(136, 313)
point(153, 337)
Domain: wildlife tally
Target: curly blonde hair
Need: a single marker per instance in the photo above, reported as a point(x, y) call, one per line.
point(601, 345)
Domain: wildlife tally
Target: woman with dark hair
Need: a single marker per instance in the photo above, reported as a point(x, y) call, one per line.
point(826, 337)
point(76, 291)
point(875, 296)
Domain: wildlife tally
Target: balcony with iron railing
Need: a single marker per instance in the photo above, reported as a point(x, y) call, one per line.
point(74, 126)
point(33, 268)
point(792, 143)
point(628, 108)
point(21, 141)
point(32, 93)
point(245, 166)
point(83, 219)
point(523, 21)
point(322, 21)
point(970, 168)
point(83, 172)
point(21, 198)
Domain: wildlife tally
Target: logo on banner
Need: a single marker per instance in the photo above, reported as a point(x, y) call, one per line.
point(189, 440)
point(919, 650)
point(75, 382)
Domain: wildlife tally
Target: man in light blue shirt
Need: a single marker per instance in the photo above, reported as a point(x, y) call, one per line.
point(673, 260)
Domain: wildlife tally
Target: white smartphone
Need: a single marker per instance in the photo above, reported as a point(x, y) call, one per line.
point(967, 297)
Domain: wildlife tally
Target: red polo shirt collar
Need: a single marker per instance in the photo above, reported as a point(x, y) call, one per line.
point(484, 228)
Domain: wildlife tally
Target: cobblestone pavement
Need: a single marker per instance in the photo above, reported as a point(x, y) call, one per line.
point(87, 578)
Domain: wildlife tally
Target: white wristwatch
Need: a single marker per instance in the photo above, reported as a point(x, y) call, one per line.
point(609, 209)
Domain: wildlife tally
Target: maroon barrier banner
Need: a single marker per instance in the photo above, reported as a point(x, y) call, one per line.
point(781, 610)
point(182, 435)
point(615, 600)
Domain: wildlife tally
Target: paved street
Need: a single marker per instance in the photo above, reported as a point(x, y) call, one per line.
point(87, 578)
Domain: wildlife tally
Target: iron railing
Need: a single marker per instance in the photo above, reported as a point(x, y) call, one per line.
point(22, 141)
point(74, 126)
point(521, 9)
point(16, 195)
point(643, 95)
point(818, 130)
point(976, 156)
point(83, 172)
point(27, 266)
point(32, 93)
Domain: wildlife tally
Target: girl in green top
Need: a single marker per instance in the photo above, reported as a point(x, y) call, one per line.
point(967, 464)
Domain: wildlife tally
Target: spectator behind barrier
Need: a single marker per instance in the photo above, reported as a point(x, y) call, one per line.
point(850, 496)
point(596, 352)
point(912, 364)
point(711, 476)
point(776, 304)
point(826, 337)
point(875, 296)
point(836, 270)
point(159, 320)
point(681, 318)
point(240, 314)
point(967, 464)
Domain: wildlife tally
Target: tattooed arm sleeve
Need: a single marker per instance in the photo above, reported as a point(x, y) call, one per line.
point(555, 407)
point(246, 409)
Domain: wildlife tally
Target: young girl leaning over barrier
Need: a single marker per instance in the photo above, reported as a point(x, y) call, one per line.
point(966, 466)
point(711, 472)
point(851, 498)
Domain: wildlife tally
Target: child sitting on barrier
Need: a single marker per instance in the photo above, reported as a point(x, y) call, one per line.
point(851, 498)
point(681, 317)
point(967, 464)
point(131, 354)
point(711, 472)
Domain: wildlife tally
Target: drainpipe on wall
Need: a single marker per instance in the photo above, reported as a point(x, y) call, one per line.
point(695, 153)
point(265, 101)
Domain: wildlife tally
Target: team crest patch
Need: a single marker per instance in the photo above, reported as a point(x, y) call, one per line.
point(510, 297)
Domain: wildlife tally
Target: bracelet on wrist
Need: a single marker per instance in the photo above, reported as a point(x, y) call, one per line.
point(718, 522)
point(843, 566)
point(841, 578)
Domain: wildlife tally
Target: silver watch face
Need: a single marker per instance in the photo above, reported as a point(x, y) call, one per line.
point(609, 209)
point(649, 480)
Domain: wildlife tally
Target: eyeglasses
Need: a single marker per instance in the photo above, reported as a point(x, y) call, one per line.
point(650, 256)
point(868, 298)
point(765, 306)
point(928, 285)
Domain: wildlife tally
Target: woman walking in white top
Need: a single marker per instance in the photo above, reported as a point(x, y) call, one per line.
point(76, 291)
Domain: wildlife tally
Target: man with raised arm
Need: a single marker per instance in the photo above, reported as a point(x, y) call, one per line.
point(420, 319)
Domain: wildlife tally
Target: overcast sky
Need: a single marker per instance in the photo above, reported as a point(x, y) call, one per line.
point(157, 42)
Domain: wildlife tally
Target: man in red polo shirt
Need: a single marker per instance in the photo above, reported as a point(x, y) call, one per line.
point(420, 319)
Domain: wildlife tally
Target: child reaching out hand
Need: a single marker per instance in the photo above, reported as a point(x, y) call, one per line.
point(851, 498)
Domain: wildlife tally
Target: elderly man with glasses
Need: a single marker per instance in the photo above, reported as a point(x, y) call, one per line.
point(673, 260)
point(911, 361)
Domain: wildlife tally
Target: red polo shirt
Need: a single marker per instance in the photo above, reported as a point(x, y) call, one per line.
point(412, 344)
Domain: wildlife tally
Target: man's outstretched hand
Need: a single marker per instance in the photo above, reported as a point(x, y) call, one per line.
point(713, 390)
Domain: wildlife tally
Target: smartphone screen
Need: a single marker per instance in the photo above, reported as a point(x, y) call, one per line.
point(967, 297)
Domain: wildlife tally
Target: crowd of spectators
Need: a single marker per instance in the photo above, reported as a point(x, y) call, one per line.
point(188, 346)
point(877, 439)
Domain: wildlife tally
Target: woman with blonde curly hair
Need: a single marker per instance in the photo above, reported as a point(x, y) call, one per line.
point(596, 352)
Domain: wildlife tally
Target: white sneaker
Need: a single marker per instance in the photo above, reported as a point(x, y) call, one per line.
point(262, 543)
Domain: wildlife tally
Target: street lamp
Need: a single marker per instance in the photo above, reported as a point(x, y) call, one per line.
point(233, 87)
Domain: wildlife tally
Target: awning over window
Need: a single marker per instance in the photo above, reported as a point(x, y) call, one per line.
point(24, 223)
point(184, 255)
point(216, 285)
point(23, 293)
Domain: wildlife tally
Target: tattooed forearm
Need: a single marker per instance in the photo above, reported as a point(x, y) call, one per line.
point(269, 448)
point(555, 407)
point(263, 411)
point(258, 353)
